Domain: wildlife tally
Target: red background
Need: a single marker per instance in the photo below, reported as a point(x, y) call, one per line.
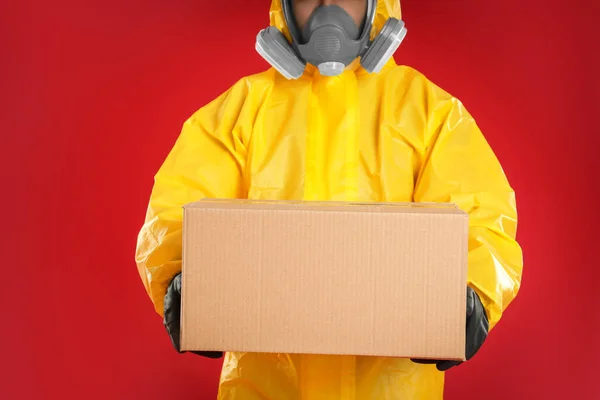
point(94, 94)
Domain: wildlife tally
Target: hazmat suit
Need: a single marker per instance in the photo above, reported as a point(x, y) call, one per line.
point(391, 136)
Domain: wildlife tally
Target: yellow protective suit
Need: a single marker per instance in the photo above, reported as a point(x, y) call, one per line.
point(392, 136)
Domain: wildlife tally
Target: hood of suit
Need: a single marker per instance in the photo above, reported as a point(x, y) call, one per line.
point(385, 10)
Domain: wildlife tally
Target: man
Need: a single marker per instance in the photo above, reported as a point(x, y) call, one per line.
point(331, 121)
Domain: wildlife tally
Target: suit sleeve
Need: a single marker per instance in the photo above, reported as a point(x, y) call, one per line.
point(459, 166)
point(206, 161)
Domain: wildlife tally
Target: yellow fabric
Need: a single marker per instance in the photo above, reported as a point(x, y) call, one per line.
point(392, 136)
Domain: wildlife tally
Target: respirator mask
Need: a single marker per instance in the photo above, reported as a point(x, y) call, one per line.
point(330, 40)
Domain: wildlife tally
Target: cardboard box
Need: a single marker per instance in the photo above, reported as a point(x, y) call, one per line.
point(325, 278)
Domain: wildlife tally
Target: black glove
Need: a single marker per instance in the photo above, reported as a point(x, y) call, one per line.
point(173, 316)
point(477, 331)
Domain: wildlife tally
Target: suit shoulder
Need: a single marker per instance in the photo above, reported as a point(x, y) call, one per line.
point(250, 87)
point(409, 80)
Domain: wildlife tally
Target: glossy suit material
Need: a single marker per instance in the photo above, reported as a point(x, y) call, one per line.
point(391, 136)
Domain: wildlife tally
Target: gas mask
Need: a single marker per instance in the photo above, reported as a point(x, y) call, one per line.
point(330, 40)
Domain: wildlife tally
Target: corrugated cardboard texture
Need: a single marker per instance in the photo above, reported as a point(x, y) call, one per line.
point(325, 278)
